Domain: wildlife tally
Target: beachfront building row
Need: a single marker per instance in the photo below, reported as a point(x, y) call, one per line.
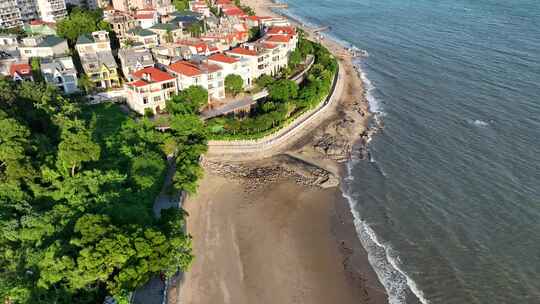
point(151, 87)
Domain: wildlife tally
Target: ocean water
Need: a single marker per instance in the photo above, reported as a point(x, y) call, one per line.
point(448, 206)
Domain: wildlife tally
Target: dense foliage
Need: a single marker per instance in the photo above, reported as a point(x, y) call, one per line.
point(81, 21)
point(286, 99)
point(77, 185)
point(181, 5)
point(234, 84)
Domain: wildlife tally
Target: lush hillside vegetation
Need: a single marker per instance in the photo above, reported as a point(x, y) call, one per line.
point(77, 185)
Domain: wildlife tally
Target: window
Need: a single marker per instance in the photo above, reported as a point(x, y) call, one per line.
point(28, 51)
point(145, 100)
point(167, 85)
point(157, 98)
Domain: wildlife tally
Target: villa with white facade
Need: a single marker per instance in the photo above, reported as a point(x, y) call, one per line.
point(207, 75)
point(150, 90)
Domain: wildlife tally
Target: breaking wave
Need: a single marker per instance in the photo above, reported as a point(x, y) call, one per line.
point(383, 258)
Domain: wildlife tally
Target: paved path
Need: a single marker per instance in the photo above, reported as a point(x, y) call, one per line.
point(153, 292)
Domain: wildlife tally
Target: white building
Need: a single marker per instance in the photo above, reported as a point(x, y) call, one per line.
point(207, 75)
point(150, 90)
point(232, 65)
point(43, 46)
point(263, 58)
point(146, 18)
point(51, 10)
point(61, 73)
point(10, 14)
point(282, 35)
point(15, 12)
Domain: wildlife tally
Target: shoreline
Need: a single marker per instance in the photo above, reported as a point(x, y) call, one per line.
point(275, 227)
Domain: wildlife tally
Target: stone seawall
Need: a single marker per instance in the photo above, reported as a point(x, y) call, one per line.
point(271, 144)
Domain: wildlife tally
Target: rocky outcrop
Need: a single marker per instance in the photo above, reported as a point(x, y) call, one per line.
point(255, 175)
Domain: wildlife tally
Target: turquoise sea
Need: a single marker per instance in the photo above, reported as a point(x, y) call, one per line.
point(448, 206)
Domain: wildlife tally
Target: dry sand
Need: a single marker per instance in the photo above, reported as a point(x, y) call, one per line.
point(276, 245)
point(285, 242)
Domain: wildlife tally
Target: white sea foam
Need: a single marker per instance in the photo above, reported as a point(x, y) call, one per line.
point(374, 105)
point(480, 123)
point(383, 258)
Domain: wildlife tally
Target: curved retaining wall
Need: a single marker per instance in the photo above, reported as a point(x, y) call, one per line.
point(283, 135)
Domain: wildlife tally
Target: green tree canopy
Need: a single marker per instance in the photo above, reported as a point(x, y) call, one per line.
point(188, 101)
point(77, 185)
point(234, 84)
point(181, 5)
point(80, 22)
point(283, 90)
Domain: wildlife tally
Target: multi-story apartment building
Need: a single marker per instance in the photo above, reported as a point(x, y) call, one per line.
point(207, 75)
point(51, 10)
point(91, 4)
point(150, 90)
point(97, 59)
point(15, 12)
point(282, 35)
point(121, 23)
point(232, 65)
point(10, 15)
point(61, 73)
point(29, 10)
point(162, 6)
point(263, 58)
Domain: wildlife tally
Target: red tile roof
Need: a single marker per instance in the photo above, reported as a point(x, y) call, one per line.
point(138, 83)
point(144, 16)
point(154, 75)
point(185, 68)
point(279, 30)
point(211, 68)
point(269, 45)
point(23, 69)
point(243, 51)
point(233, 11)
point(223, 58)
point(279, 38)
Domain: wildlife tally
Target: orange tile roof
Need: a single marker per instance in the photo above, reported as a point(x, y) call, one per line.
point(243, 51)
point(155, 74)
point(279, 38)
point(145, 16)
point(223, 58)
point(269, 45)
point(185, 68)
point(279, 30)
point(138, 83)
point(192, 69)
point(23, 69)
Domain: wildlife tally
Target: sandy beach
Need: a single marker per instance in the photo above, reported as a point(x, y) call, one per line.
point(267, 230)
